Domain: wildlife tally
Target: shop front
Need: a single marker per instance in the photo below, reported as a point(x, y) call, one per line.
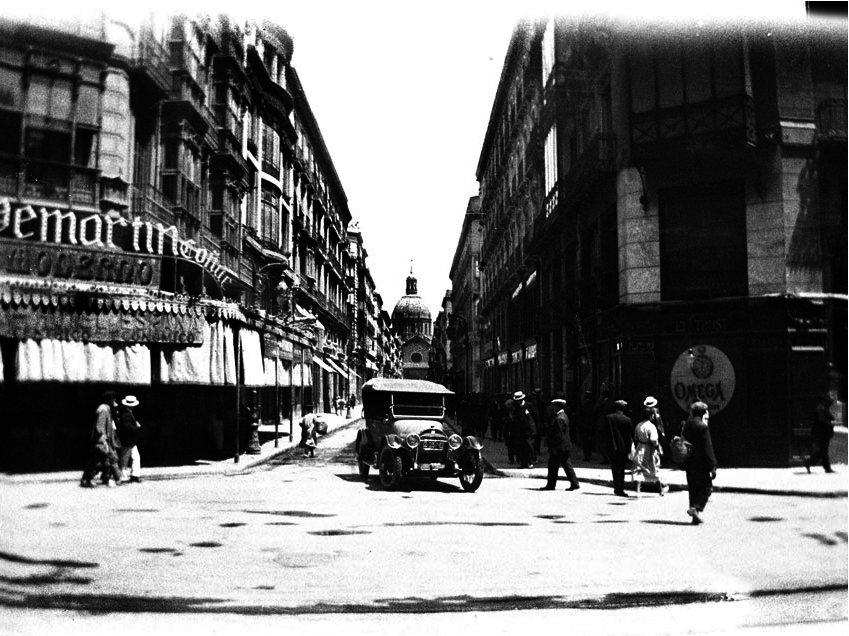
point(760, 365)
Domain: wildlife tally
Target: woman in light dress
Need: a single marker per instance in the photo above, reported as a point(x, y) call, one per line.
point(646, 466)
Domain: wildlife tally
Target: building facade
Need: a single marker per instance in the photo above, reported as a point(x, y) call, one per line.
point(664, 213)
point(464, 336)
point(171, 226)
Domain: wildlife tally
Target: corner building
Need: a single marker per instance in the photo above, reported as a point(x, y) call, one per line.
point(171, 226)
point(664, 212)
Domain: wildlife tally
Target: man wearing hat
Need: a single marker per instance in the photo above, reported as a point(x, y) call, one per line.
point(527, 428)
point(559, 447)
point(128, 433)
point(616, 440)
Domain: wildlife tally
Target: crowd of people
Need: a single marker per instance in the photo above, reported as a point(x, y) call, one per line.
point(621, 437)
point(113, 455)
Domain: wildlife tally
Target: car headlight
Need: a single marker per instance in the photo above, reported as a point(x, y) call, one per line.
point(413, 440)
point(455, 442)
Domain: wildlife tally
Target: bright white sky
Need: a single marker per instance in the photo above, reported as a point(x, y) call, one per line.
point(402, 92)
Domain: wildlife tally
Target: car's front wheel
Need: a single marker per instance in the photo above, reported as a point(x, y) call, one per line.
point(389, 468)
point(471, 471)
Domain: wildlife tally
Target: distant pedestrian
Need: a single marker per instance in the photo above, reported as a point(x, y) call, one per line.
point(559, 447)
point(511, 432)
point(604, 408)
point(309, 435)
point(526, 430)
point(701, 463)
point(646, 464)
point(586, 425)
point(352, 403)
point(104, 445)
point(822, 430)
point(615, 441)
point(128, 434)
point(542, 416)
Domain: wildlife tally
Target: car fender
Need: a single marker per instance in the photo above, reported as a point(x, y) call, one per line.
point(472, 442)
point(393, 441)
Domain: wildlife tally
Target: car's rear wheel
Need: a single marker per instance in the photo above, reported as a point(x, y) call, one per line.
point(471, 472)
point(389, 468)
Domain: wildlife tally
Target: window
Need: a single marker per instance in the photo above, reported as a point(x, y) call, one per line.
point(270, 150)
point(547, 51)
point(703, 242)
point(551, 160)
point(270, 215)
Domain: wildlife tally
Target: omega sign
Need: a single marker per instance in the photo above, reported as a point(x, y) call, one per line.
point(703, 373)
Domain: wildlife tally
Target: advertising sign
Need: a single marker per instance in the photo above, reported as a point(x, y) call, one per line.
point(703, 373)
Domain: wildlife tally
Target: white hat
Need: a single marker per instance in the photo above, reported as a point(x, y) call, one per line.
point(130, 401)
point(518, 395)
point(650, 402)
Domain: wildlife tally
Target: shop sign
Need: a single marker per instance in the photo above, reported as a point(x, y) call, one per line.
point(23, 323)
point(503, 357)
point(531, 352)
point(516, 356)
point(703, 373)
point(18, 258)
point(99, 233)
point(489, 363)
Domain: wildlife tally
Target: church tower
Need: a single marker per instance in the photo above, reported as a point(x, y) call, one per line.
point(412, 323)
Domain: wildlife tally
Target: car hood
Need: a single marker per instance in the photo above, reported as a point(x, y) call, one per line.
point(405, 427)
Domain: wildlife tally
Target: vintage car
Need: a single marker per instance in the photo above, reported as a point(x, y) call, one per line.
point(405, 433)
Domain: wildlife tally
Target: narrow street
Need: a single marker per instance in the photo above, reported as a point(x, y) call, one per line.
point(305, 539)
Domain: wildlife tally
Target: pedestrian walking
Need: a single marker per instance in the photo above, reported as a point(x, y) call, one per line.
point(646, 464)
point(586, 425)
point(559, 447)
point(822, 430)
point(700, 465)
point(128, 433)
point(663, 445)
point(103, 445)
point(309, 435)
point(527, 428)
point(616, 441)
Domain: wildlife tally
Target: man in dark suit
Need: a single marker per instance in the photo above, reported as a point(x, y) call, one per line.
point(559, 447)
point(616, 440)
point(701, 464)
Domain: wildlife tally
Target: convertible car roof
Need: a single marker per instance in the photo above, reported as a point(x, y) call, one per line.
point(404, 386)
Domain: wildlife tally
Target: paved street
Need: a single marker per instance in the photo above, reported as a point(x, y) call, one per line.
point(305, 539)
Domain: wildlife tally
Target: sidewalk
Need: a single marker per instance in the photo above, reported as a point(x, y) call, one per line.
point(769, 481)
point(268, 451)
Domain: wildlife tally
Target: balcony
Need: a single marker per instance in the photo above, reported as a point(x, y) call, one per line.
point(149, 204)
point(150, 63)
point(720, 120)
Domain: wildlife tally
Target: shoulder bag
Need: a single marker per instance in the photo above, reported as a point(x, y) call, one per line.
point(681, 449)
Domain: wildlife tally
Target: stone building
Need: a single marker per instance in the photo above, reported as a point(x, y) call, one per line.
point(172, 227)
point(411, 322)
point(664, 213)
point(465, 295)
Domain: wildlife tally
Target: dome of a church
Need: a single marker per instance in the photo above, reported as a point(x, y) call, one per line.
point(411, 306)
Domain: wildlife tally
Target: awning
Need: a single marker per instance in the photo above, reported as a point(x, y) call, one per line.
point(323, 364)
point(336, 367)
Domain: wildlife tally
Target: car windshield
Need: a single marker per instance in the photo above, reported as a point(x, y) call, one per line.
point(417, 405)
